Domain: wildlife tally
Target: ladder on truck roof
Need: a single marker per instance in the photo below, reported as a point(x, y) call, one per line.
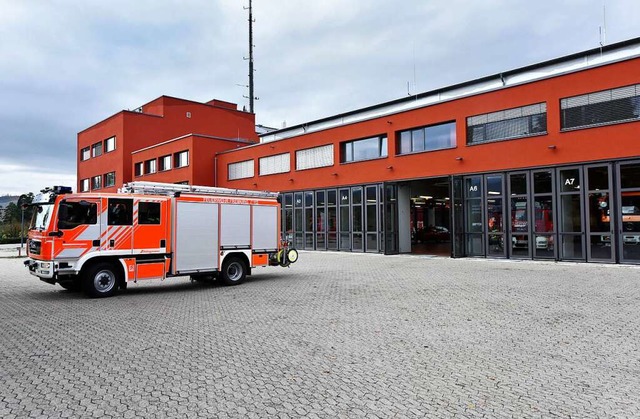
point(156, 188)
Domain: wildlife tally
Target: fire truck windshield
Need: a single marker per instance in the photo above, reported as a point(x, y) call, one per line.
point(41, 217)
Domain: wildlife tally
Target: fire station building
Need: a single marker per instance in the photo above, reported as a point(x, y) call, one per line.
point(540, 162)
point(177, 128)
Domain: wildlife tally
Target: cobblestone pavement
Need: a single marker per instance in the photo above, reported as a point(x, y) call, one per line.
point(335, 335)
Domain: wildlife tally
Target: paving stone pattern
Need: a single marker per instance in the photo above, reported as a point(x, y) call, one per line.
point(337, 335)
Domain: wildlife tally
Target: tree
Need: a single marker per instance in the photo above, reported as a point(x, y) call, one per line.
point(23, 203)
point(13, 216)
point(11, 213)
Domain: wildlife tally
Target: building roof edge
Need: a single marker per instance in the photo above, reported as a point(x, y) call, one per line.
point(303, 128)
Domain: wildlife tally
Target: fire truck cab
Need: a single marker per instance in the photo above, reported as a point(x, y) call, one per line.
point(99, 242)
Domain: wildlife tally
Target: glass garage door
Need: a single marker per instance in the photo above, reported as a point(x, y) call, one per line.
point(628, 211)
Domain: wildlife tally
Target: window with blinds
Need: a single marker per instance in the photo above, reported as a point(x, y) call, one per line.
point(508, 124)
point(601, 108)
point(240, 170)
point(311, 158)
point(280, 163)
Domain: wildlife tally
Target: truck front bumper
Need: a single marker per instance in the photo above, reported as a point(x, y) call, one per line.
point(41, 268)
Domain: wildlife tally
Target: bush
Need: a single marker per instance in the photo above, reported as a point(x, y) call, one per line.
point(10, 231)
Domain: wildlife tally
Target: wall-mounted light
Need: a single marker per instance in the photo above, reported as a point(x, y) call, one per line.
point(255, 184)
point(334, 174)
point(389, 167)
point(459, 158)
point(290, 179)
point(551, 147)
point(389, 122)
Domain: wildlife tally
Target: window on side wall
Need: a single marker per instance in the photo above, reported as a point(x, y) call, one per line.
point(96, 182)
point(429, 138)
point(84, 185)
point(110, 144)
point(240, 170)
point(522, 122)
point(109, 179)
point(605, 107)
point(181, 159)
point(364, 149)
point(165, 163)
point(139, 169)
point(150, 166)
point(311, 158)
point(96, 150)
point(85, 154)
point(279, 163)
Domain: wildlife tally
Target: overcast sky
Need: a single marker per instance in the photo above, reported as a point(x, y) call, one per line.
point(67, 64)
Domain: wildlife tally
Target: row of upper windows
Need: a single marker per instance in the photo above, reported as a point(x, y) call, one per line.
point(162, 164)
point(583, 111)
point(96, 149)
point(98, 182)
point(434, 137)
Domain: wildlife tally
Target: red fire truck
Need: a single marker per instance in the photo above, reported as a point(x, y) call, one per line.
point(99, 242)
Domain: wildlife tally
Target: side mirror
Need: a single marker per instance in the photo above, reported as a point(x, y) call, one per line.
point(55, 234)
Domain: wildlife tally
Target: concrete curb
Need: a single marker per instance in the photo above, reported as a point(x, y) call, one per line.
point(7, 252)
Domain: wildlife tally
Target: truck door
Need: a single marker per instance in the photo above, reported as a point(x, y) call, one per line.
point(78, 229)
point(150, 225)
point(119, 234)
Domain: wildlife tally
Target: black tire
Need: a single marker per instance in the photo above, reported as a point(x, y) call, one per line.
point(71, 285)
point(234, 271)
point(101, 280)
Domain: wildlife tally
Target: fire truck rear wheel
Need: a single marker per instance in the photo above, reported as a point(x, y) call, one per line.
point(101, 280)
point(234, 271)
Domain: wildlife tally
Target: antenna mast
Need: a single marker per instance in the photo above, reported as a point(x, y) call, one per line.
point(251, 95)
point(603, 29)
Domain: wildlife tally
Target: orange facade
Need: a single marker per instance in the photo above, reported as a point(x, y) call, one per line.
point(553, 148)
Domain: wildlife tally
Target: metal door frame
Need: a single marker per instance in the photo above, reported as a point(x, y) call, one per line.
point(467, 233)
point(485, 215)
point(560, 211)
point(555, 212)
point(509, 220)
point(612, 214)
point(619, 228)
point(458, 244)
point(389, 221)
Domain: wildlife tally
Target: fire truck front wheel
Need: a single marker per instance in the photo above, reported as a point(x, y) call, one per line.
point(234, 271)
point(101, 280)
